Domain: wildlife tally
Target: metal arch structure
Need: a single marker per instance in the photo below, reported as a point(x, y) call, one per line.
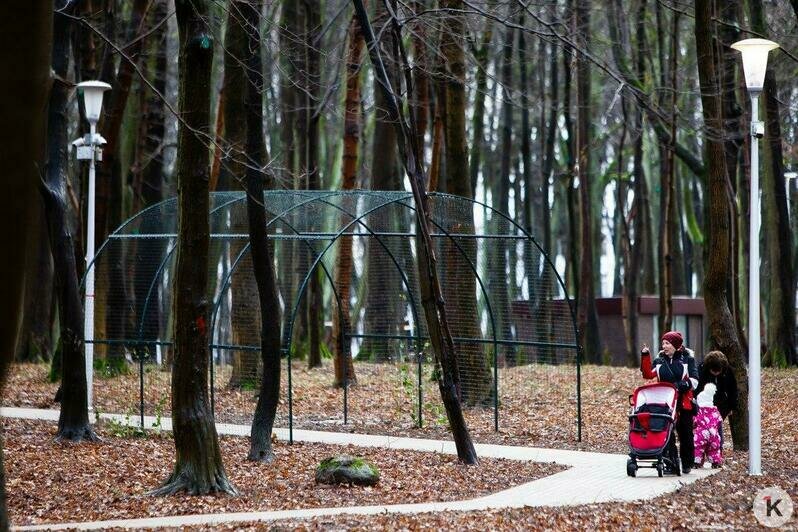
point(302, 216)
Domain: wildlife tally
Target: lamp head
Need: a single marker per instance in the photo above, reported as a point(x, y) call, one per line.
point(93, 98)
point(755, 61)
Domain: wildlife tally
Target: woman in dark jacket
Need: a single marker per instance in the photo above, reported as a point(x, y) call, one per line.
point(676, 364)
point(715, 369)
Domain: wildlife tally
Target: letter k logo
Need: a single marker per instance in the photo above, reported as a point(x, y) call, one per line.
point(771, 506)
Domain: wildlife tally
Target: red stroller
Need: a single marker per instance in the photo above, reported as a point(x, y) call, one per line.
point(651, 422)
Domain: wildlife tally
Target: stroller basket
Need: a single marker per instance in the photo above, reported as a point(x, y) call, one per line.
point(654, 418)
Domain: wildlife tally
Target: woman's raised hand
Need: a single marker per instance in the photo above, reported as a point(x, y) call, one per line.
point(645, 350)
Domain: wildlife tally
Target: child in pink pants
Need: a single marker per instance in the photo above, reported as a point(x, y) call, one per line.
point(706, 436)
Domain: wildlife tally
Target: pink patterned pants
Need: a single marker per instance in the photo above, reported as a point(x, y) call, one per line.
point(706, 435)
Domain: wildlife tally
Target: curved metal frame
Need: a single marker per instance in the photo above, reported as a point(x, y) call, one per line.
point(394, 198)
point(565, 295)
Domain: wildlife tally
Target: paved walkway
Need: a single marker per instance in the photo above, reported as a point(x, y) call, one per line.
point(590, 478)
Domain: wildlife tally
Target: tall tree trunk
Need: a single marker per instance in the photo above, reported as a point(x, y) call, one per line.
point(460, 288)
point(531, 190)
point(569, 65)
point(149, 190)
point(431, 296)
point(289, 117)
point(549, 160)
point(480, 92)
point(420, 102)
point(312, 92)
point(260, 247)
point(498, 275)
point(587, 316)
point(722, 330)
point(234, 164)
point(25, 41)
point(778, 239)
point(109, 184)
point(667, 241)
point(198, 463)
point(381, 315)
point(729, 13)
point(342, 324)
point(73, 420)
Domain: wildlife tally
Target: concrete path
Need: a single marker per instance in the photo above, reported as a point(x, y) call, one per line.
point(590, 478)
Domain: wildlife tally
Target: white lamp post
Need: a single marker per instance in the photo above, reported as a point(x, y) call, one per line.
point(88, 148)
point(755, 60)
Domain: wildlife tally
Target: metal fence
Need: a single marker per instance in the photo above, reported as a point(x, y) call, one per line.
point(511, 320)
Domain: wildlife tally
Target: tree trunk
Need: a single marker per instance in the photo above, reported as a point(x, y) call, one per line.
point(198, 466)
point(289, 117)
point(73, 420)
point(35, 343)
point(342, 324)
point(109, 187)
point(460, 287)
point(25, 41)
point(150, 185)
point(234, 164)
point(587, 317)
point(572, 264)
point(260, 247)
point(381, 315)
point(498, 276)
point(432, 298)
point(549, 159)
point(722, 330)
point(668, 218)
point(778, 239)
point(312, 92)
point(420, 102)
point(480, 92)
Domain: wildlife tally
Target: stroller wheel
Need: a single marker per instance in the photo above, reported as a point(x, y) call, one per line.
point(660, 469)
point(631, 467)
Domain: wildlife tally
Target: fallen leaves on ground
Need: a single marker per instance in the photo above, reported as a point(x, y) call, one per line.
point(51, 482)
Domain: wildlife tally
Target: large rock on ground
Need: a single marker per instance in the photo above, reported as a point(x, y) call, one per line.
point(345, 469)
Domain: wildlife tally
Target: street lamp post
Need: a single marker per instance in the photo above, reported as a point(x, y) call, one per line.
point(88, 148)
point(755, 59)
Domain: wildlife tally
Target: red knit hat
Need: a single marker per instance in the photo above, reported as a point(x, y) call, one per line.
point(674, 337)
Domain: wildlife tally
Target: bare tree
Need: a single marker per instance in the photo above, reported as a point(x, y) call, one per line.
point(432, 299)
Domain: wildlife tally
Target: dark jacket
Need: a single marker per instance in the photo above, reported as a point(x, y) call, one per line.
point(726, 384)
point(679, 370)
point(671, 369)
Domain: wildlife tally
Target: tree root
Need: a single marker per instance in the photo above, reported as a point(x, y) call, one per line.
point(183, 482)
point(76, 434)
point(264, 456)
